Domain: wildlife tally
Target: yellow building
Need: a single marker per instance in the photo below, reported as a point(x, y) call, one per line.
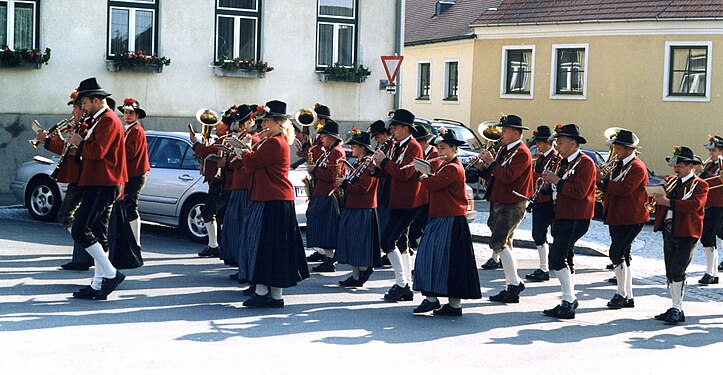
point(650, 66)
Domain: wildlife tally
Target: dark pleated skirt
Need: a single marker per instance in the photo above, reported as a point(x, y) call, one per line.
point(273, 249)
point(445, 265)
point(123, 251)
point(231, 235)
point(322, 223)
point(358, 243)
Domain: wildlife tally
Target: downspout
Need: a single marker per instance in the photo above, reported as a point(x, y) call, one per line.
point(398, 46)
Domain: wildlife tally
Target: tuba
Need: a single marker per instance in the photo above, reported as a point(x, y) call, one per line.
point(306, 117)
point(208, 118)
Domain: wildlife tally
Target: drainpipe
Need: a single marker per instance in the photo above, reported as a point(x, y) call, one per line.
point(398, 46)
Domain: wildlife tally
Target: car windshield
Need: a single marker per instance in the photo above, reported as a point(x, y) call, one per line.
point(460, 132)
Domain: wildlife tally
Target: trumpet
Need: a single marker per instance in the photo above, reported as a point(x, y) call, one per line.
point(605, 168)
point(650, 204)
point(58, 128)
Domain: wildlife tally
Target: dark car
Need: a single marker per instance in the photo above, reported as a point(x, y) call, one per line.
point(464, 133)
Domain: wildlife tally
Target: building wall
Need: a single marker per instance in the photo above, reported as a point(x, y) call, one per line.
point(77, 38)
point(437, 54)
point(625, 85)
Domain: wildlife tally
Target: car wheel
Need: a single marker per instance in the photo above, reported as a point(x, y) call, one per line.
point(191, 222)
point(43, 199)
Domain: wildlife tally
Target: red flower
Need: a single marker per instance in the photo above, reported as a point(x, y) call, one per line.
point(558, 128)
point(129, 101)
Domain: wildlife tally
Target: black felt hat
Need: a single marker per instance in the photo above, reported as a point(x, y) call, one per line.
point(543, 133)
point(624, 137)
point(714, 141)
point(133, 105)
point(322, 111)
point(512, 121)
point(361, 138)
point(402, 117)
point(421, 134)
point(447, 136)
point(570, 131)
point(90, 87)
point(74, 99)
point(683, 154)
point(378, 127)
point(273, 109)
point(330, 128)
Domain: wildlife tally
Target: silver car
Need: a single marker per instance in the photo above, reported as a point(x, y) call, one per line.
point(173, 195)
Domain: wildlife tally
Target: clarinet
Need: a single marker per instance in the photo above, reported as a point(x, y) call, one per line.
point(66, 148)
point(356, 174)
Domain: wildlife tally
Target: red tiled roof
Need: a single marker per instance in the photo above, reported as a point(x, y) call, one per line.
point(560, 11)
point(421, 26)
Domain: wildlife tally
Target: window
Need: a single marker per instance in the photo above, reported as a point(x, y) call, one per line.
point(687, 71)
point(517, 80)
point(569, 71)
point(336, 33)
point(451, 84)
point(132, 26)
point(423, 80)
point(19, 24)
point(237, 29)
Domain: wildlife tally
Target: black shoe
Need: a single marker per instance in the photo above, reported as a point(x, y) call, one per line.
point(491, 264)
point(617, 302)
point(315, 257)
point(385, 261)
point(675, 316)
point(613, 280)
point(426, 306)
point(448, 310)
point(250, 291)
point(230, 263)
point(610, 266)
point(72, 266)
point(629, 303)
point(565, 310)
point(513, 293)
point(708, 279)
point(109, 285)
point(209, 252)
point(326, 266)
point(720, 266)
point(351, 282)
point(538, 275)
point(398, 293)
point(89, 293)
point(499, 297)
point(364, 275)
point(275, 303)
point(258, 300)
point(664, 315)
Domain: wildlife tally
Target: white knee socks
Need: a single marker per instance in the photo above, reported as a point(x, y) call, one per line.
point(136, 229)
point(711, 260)
point(509, 266)
point(407, 263)
point(566, 284)
point(277, 293)
point(628, 282)
point(544, 250)
point(677, 290)
point(455, 302)
point(620, 277)
point(395, 258)
point(212, 236)
point(103, 266)
point(262, 289)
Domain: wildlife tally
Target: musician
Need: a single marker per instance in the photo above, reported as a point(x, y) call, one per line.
point(510, 170)
point(404, 201)
point(679, 215)
point(573, 194)
point(216, 199)
point(381, 134)
point(358, 240)
point(137, 163)
point(624, 210)
point(312, 152)
point(273, 256)
point(102, 175)
point(543, 211)
point(445, 263)
point(713, 219)
point(416, 229)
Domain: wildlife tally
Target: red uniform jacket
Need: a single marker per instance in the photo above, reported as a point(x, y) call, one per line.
point(201, 151)
point(687, 213)
point(136, 151)
point(576, 194)
point(624, 201)
point(382, 177)
point(239, 176)
point(544, 163)
point(516, 174)
point(424, 199)
point(363, 194)
point(404, 187)
point(103, 153)
point(712, 169)
point(270, 165)
point(326, 172)
point(69, 169)
point(447, 192)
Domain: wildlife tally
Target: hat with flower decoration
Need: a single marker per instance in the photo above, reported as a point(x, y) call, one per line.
point(542, 133)
point(623, 137)
point(322, 111)
point(359, 137)
point(402, 117)
point(74, 99)
point(447, 136)
point(570, 131)
point(132, 104)
point(714, 141)
point(682, 154)
point(331, 128)
point(272, 109)
point(512, 121)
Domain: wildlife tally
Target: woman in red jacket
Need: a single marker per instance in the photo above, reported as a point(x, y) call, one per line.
point(445, 264)
point(358, 239)
point(273, 255)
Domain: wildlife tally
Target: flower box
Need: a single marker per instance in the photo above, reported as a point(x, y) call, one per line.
point(149, 68)
point(25, 65)
point(326, 77)
point(238, 73)
point(23, 59)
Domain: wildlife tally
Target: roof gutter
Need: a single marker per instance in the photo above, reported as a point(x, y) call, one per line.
point(440, 40)
point(596, 21)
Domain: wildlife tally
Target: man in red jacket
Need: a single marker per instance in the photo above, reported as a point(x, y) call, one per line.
point(507, 173)
point(679, 215)
point(136, 162)
point(624, 210)
point(573, 191)
point(713, 220)
point(404, 201)
point(102, 174)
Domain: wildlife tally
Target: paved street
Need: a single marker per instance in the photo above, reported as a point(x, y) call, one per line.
point(181, 314)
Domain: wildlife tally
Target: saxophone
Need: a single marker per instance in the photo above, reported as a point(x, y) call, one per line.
point(308, 179)
point(337, 195)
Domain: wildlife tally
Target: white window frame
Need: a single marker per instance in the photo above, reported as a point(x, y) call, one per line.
point(10, 27)
point(418, 90)
point(666, 71)
point(353, 17)
point(255, 8)
point(445, 86)
point(132, 26)
point(503, 73)
point(553, 73)
point(237, 33)
point(335, 43)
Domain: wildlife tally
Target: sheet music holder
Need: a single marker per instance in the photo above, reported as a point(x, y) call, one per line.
point(655, 189)
point(236, 143)
point(422, 166)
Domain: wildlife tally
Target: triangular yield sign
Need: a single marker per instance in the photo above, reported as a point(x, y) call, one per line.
point(391, 66)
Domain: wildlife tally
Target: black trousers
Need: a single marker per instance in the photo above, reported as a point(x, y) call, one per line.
point(622, 237)
point(216, 200)
point(91, 218)
point(70, 204)
point(543, 215)
point(677, 252)
point(132, 193)
point(395, 232)
point(416, 229)
point(712, 224)
point(562, 251)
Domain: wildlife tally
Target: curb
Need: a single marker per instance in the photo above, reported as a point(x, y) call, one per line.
point(584, 250)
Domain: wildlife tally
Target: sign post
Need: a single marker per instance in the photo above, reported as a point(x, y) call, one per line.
point(391, 68)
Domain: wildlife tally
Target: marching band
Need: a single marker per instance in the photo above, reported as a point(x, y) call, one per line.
point(402, 196)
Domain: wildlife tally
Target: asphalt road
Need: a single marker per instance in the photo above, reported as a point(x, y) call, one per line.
point(181, 314)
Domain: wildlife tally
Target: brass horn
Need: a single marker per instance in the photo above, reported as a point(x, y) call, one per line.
point(305, 117)
point(490, 130)
point(208, 118)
